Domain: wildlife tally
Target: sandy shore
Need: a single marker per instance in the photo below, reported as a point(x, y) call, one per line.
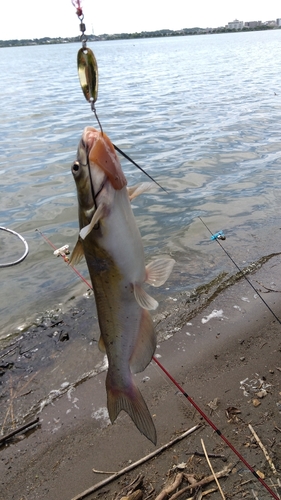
point(226, 360)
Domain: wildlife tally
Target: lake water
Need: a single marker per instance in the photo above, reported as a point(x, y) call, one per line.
point(201, 114)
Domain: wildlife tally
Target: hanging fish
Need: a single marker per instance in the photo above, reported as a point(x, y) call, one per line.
point(111, 243)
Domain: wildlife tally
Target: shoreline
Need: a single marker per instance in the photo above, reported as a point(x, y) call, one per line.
point(210, 359)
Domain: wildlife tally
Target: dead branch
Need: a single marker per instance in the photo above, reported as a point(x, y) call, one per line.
point(169, 488)
point(108, 480)
point(20, 429)
point(224, 472)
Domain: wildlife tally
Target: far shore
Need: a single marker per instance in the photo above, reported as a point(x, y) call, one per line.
point(128, 36)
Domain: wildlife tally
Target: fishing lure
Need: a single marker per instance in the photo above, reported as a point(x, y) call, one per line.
point(88, 73)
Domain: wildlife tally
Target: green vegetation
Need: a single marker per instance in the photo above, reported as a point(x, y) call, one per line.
point(126, 36)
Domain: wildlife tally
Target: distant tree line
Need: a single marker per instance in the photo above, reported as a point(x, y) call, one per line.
point(126, 36)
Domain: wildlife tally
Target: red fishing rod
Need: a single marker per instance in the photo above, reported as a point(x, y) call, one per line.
point(216, 429)
point(63, 255)
point(191, 401)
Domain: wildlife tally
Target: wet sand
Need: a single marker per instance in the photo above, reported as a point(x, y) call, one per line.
point(233, 355)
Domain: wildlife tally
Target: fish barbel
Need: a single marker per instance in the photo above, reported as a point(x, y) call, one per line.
point(111, 243)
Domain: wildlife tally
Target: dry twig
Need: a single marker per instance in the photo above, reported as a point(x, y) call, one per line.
point(272, 466)
point(212, 470)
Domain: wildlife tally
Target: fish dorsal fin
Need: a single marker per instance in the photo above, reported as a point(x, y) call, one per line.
point(158, 271)
point(96, 218)
point(145, 344)
point(137, 189)
point(143, 299)
point(101, 345)
point(103, 154)
point(77, 253)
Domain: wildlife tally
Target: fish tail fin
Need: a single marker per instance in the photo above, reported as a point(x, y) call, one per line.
point(131, 401)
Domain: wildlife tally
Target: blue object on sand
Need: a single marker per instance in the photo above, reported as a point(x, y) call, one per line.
point(218, 236)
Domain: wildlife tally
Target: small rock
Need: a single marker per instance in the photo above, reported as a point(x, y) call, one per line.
point(256, 402)
point(63, 336)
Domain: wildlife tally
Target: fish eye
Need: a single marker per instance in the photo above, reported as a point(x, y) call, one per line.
point(75, 167)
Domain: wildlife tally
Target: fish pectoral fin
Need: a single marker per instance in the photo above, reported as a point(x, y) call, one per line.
point(145, 344)
point(101, 345)
point(143, 299)
point(99, 213)
point(129, 399)
point(158, 271)
point(142, 187)
point(77, 253)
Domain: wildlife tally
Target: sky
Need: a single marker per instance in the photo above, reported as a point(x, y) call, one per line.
point(54, 18)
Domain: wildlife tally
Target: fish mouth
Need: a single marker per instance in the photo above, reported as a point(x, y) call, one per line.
point(94, 191)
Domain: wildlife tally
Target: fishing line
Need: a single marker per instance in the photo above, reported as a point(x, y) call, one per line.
point(241, 271)
point(134, 163)
point(88, 75)
point(197, 408)
point(26, 250)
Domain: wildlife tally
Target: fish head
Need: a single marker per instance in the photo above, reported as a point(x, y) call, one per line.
point(96, 171)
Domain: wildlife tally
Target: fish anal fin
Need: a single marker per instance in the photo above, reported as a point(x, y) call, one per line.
point(137, 189)
point(101, 345)
point(143, 299)
point(77, 253)
point(99, 213)
point(129, 399)
point(145, 344)
point(158, 271)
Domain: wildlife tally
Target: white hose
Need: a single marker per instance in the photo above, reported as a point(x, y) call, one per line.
point(8, 264)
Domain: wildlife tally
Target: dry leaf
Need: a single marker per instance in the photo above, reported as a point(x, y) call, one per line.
point(214, 404)
point(231, 411)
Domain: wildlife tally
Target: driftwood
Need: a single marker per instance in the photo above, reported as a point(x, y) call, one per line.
point(20, 429)
point(170, 487)
point(100, 485)
point(203, 482)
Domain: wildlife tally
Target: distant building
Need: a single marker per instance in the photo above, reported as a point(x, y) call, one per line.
point(236, 25)
point(270, 23)
point(253, 24)
point(278, 21)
